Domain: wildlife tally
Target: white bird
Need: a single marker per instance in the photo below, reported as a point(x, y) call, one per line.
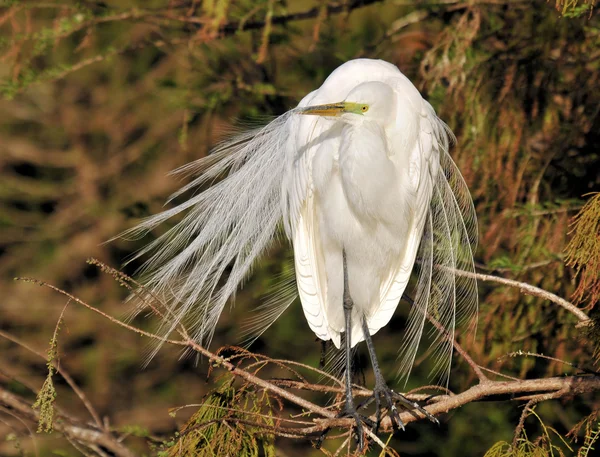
point(359, 174)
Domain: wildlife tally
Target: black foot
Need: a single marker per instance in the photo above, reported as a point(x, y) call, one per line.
point(351, 411)
point(359, 432)
point(390, 397)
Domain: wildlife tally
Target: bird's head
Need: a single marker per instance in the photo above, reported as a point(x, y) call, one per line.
point(370, 101)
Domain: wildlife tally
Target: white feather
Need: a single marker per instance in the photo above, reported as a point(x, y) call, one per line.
point(385, 190)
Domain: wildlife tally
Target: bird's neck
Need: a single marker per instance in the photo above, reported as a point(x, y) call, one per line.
point(368, 176)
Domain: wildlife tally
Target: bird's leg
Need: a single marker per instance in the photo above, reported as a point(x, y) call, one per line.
point(349, 407)
point(381, 389)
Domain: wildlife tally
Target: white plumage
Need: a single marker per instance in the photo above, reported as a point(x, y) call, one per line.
point(379, 184)
point(363, 186)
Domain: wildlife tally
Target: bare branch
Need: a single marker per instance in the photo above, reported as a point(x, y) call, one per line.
point(261, 382)
point(535, 390)
point(72, 429)
point(102, 313)
point(531, 290)
point(548, 388)
point(60, 370)
point(568, 385)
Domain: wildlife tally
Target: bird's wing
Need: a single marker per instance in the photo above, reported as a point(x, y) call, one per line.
point(310, 272)
point(442, 296)
point(308, 257)
point(393, 287)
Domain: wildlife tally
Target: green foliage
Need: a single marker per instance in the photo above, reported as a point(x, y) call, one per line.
point(575, 8)
point(46, 396)
point(523, 446)
point(583, 251)
point(592, 440)
point(591, 335)
point(523, 449)
point(230, 421)
point(516, 106)
point(107, 97)
point(591, 434)
point(545, 446)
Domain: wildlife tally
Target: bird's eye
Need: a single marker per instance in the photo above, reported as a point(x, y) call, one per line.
point(364, 108)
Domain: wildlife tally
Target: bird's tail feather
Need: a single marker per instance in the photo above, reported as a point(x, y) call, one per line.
point(443, 297)
point(196, 266)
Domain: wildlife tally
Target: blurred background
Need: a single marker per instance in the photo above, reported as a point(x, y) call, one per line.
point(101, 99)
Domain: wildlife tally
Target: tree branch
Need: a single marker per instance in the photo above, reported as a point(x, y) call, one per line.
point(531, 290)
point(324, 418)
point(312, 13)
point(60, 370)
point(71, 428)
point(551, 388)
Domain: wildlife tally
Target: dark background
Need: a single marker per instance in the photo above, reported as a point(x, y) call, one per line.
point(102, 99)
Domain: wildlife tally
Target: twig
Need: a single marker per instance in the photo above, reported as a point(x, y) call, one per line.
point(22, 422)
point(475, 366)
point(201, 350)
point(530, 290)
point(102, 313)
point(68, 426)
point(534, 400)
point(497, 373)
point(68, 379)
point(291, 384)
point(547, 357)
point(233, 410)
point(260, 382)
point(519, 269)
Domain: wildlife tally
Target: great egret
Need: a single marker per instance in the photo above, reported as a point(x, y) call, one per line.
point(360, 176)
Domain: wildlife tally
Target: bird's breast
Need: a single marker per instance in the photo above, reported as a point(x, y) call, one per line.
point(359, 190)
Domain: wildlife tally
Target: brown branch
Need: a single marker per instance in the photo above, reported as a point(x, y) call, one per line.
point(528, 409)
point(324, 418)
point(335, 8)
point(474, 365)
point(102, 313)
point(201, 350)
point(539, 389)
point(261, 382)
point(565, 385)
point(60, 370)
point(450, 337)
point(87, 435)
point(530, 290)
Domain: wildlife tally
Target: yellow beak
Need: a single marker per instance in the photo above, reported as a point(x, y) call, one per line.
point(329, 109)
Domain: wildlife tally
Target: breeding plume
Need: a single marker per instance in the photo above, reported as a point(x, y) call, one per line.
point(359, 177)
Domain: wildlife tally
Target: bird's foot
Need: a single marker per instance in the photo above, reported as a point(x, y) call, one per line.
point(359, 433)
point(351, 411)
point(390, 397)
